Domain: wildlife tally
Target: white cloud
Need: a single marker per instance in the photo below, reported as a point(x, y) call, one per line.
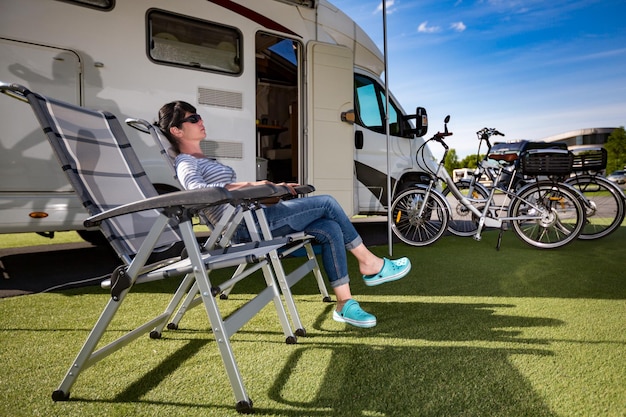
point(388, 5)
point(458, 26)
point(424, 28)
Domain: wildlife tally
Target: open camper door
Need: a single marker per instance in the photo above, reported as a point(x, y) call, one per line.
point(330, 142)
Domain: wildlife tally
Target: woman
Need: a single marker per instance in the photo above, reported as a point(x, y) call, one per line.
point(318, 216)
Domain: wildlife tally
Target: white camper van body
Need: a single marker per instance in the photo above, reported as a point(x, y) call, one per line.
point(274, 80)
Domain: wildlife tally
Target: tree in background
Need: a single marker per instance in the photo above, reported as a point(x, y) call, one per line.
point(452, 161)
point(470, 161)
point(616, 150)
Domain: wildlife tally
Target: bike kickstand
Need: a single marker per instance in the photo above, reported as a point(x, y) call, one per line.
point(500, 237)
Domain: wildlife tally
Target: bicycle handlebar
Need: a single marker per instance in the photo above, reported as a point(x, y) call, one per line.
point(439, 138)
point(441, 135)
point(485, 133)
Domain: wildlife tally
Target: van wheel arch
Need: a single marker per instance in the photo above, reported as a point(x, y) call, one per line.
point(411, 180)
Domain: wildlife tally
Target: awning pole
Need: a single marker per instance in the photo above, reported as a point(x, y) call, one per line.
point(389, 217)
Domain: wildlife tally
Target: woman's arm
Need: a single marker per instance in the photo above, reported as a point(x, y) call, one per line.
point(238, 185)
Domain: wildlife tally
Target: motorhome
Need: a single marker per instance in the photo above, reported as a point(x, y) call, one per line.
point(289, 90)
point(460, 174)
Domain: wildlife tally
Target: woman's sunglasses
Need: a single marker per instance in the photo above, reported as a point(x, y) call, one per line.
point(194, 118)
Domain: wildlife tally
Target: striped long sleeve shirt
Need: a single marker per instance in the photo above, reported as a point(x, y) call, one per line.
point(194, 173)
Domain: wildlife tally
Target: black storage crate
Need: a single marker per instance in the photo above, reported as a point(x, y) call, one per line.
point(547, 162)
point(510, 151)
point(507, 151)
point(591, 159)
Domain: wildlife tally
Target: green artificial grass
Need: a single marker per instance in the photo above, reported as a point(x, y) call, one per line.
point(471, 331)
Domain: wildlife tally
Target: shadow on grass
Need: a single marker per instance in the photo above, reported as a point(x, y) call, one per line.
point(422, 358)
point(379, 380)
point(33, 270)
point(410, 364)
point(409, 381)
point(445, 322)
point(153, 378)
point(381, 376)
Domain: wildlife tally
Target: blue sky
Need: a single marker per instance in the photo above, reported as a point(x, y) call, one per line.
point(531, 69)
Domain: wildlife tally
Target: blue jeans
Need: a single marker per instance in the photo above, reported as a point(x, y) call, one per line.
point(323, 218)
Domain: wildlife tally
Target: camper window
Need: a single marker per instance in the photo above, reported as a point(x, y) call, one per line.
point(96, 4)
point(188, 42)
point(369, 98)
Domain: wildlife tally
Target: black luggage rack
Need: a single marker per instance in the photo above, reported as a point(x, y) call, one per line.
point(590, 159)
point(547, 162)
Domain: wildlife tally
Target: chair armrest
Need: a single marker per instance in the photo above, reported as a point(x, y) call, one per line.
point(284, 192)
point(304, 189)
point(193, 199)
point(199, 198)
point(256, 192)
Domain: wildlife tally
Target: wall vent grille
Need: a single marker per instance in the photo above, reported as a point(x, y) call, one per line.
point(222, 149)
point(220, 98)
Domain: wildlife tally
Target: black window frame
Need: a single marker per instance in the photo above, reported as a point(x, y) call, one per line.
point(190, 20)
point(90, 5)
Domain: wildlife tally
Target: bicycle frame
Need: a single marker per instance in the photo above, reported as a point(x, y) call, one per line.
point(484, 219)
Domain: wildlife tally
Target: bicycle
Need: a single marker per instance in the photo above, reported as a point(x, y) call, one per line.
point(604, 201)
point(544, 214)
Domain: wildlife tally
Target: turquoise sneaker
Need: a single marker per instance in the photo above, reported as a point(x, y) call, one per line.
point(392, 271)
point(353, 314)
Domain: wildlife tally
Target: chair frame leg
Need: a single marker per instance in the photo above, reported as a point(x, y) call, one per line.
point(244, 213)
point(87, 355)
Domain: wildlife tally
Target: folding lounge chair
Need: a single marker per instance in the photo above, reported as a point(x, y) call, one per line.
point(107, 176)
point(258, 230)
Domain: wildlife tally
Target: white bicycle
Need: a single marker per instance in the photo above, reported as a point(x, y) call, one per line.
point(604, 202)
point(545, 214)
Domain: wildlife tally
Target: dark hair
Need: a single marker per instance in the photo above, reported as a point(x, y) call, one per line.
point(172, 115)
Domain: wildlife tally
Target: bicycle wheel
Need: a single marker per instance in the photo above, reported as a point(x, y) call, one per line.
point(462, 221)
point(418, 219)
point(555, 215)
point(604, 204)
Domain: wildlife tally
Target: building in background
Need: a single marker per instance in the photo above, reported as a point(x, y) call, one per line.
point(582, 137)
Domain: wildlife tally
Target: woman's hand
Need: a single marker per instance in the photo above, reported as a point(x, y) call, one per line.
point(291, 186)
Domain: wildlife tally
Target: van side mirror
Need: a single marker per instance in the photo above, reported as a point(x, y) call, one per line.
point(421, 122)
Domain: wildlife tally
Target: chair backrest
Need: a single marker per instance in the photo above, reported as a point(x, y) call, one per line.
point(169, 157)
point(101, 166)
point(165, 149)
